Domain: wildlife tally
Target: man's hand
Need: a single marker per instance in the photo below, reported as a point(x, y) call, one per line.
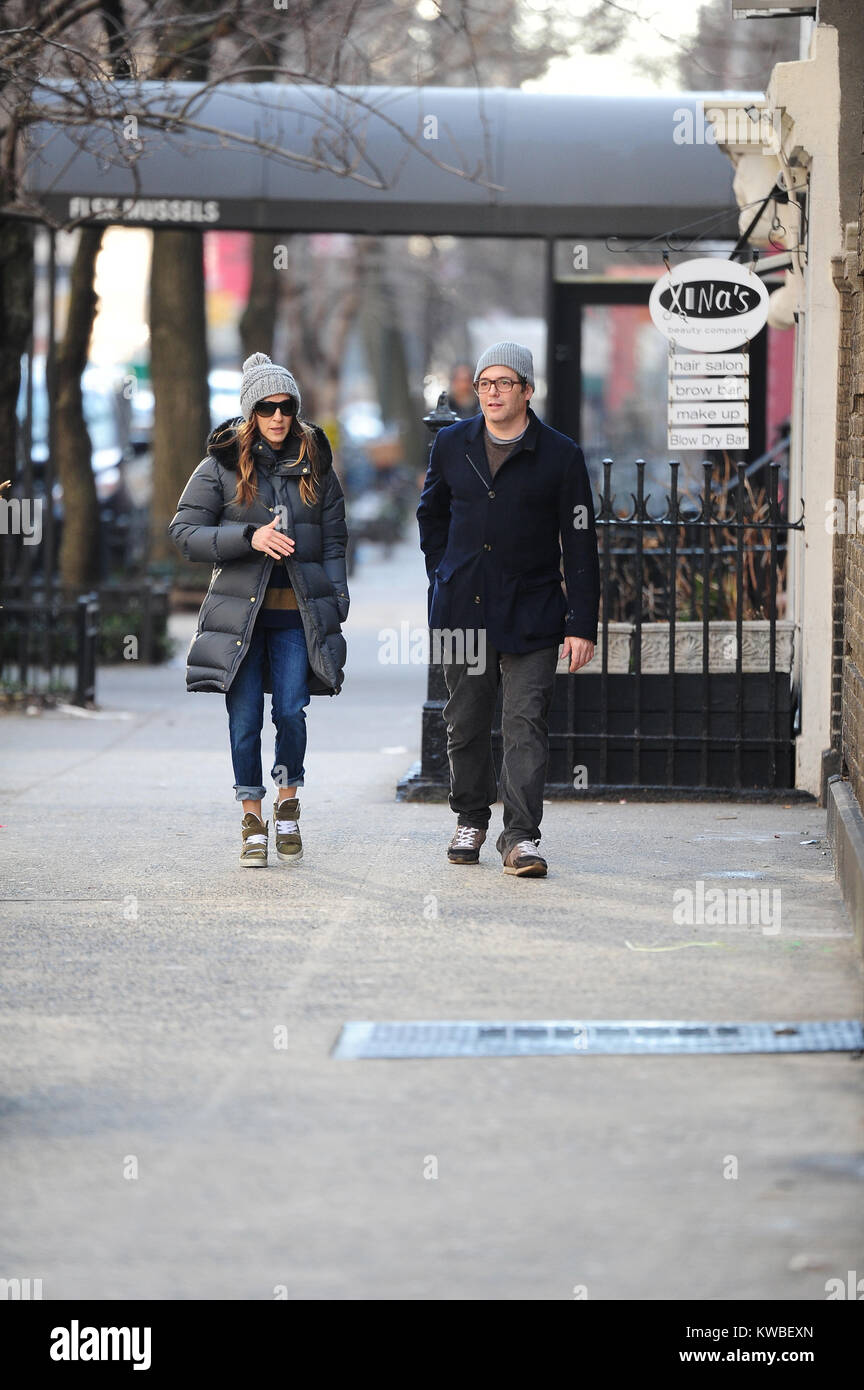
point(579, 650)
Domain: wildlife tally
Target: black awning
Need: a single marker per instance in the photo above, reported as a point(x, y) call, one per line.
point(401, 160)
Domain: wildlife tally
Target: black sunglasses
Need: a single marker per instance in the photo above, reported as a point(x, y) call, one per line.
point(268, 408)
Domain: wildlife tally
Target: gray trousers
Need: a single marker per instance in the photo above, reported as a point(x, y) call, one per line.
point(527, 680)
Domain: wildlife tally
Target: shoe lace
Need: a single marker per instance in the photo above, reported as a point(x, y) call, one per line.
point(527, 847)
point(285, 827)
point(465, 836)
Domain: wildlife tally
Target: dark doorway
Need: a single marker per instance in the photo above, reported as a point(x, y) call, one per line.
point(608, 387)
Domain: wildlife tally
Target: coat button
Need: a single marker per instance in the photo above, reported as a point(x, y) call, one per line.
point(238, 644)
point(491, 493)
point(251, 598)
point(476, 598)
point(487, 547)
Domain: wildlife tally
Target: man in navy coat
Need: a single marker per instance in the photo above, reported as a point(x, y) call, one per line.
point(505, 497)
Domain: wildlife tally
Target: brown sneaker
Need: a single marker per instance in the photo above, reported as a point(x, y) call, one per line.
point(289, 846)
point(525, 860)
point(464, 848)
point(254, 852)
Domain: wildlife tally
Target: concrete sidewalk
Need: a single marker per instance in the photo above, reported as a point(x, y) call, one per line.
point(145, 973)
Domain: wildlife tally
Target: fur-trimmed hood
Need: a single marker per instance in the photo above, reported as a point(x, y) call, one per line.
point(224, 446)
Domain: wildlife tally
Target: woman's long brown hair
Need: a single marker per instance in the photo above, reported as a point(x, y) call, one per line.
point(247, 482)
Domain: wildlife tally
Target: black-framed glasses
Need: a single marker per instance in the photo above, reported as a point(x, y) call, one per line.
point(268, 408)
point(504, 384)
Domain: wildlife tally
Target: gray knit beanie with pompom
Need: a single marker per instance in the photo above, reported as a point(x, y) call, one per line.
point(261, 378)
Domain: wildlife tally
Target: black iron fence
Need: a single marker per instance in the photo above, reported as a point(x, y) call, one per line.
point(51, 644)
point(701, 584)
point(48, 647)
point(138, 610)
point(691, 687)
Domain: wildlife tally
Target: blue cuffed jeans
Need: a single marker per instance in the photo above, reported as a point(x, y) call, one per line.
point(286, 649)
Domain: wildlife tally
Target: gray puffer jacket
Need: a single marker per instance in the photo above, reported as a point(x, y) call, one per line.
point(209, 526)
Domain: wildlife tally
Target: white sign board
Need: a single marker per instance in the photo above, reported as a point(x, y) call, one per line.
point(718, 388)
point(709, 305)
point(708, 364)
point(712, 413)
point(708, 438)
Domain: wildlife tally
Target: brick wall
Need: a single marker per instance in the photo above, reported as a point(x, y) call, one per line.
point(847, 693)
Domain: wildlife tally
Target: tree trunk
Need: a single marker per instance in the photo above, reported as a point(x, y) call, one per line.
point(385, 347)
point(178, 368)
point(16, 315)
point(258, 320)
point(79, 548)
point(319, 309)
point(178, 322)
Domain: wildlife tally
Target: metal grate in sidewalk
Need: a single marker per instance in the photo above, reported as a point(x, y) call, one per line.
point(566, 1037)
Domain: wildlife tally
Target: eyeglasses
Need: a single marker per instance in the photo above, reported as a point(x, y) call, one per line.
point(504, 384)
point(268, 408)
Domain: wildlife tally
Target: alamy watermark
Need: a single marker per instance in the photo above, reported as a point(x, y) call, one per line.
point(729, 125)
point(849, 1288)
point(413, 646)
point(77, 1343)
point(21, 516)
point(845, 516)
point(20, 1290)
point(717, 907)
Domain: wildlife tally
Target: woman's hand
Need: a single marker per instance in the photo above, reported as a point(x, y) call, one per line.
point(271, 541)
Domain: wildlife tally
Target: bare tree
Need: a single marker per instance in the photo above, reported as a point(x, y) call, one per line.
point(16, 316)
point(84, 66)
point(476, 43)
point(258, 320)
point(721, 55)
point(724, 56)
point(79, 547)
point(178, 369)
point(321, 298)
point(178, 325)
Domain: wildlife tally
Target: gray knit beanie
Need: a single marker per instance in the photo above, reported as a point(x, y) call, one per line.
point(512, 355)
point(261, 378)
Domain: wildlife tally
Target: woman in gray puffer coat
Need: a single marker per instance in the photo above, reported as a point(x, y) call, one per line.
point(266, 507)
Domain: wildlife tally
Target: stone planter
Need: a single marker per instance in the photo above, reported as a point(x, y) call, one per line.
point(721, 646)
point(688, 647)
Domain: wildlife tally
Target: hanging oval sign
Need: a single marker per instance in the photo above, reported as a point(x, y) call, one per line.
point(709, 304)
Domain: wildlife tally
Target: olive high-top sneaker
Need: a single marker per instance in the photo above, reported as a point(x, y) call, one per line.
point(254, 852)
point(289, 846)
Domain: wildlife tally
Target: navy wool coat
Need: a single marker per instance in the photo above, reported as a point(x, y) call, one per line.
point(493, 547)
